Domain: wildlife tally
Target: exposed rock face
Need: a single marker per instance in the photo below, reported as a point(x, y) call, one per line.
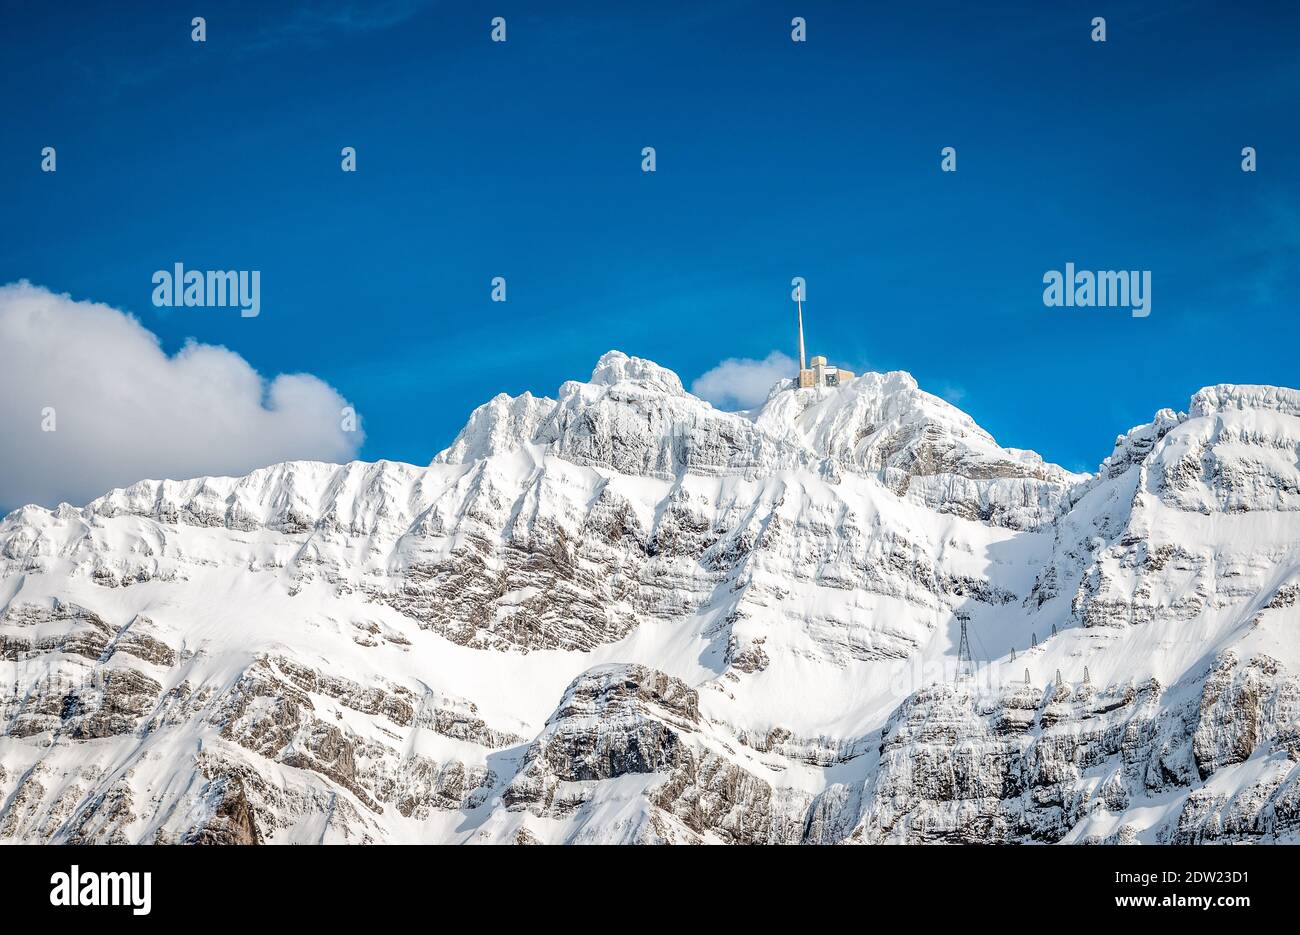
point(1025, 766)
point(613, 721)
point(1035, 765)
point(624, 616)
point(232, 820)
point(631, 722)
point(1245, 708)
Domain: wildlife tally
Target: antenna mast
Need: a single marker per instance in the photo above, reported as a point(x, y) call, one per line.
point(802, 364)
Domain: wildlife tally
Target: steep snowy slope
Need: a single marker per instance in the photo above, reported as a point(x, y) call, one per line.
point(623, 615)
point(1172, 586)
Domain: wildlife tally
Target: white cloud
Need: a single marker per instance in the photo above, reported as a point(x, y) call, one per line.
point(125, 411)
point(743, 383)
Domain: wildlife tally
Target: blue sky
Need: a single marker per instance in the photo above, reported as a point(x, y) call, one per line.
point(775, 159)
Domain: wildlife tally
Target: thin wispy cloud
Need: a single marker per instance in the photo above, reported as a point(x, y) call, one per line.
point(318, 23)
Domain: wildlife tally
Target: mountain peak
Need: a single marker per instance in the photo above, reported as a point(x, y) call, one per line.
point(1228, 396)
point(879, 424)
point(617, 367)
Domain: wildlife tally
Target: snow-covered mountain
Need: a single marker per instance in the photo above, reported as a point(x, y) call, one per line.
point(623, 615)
